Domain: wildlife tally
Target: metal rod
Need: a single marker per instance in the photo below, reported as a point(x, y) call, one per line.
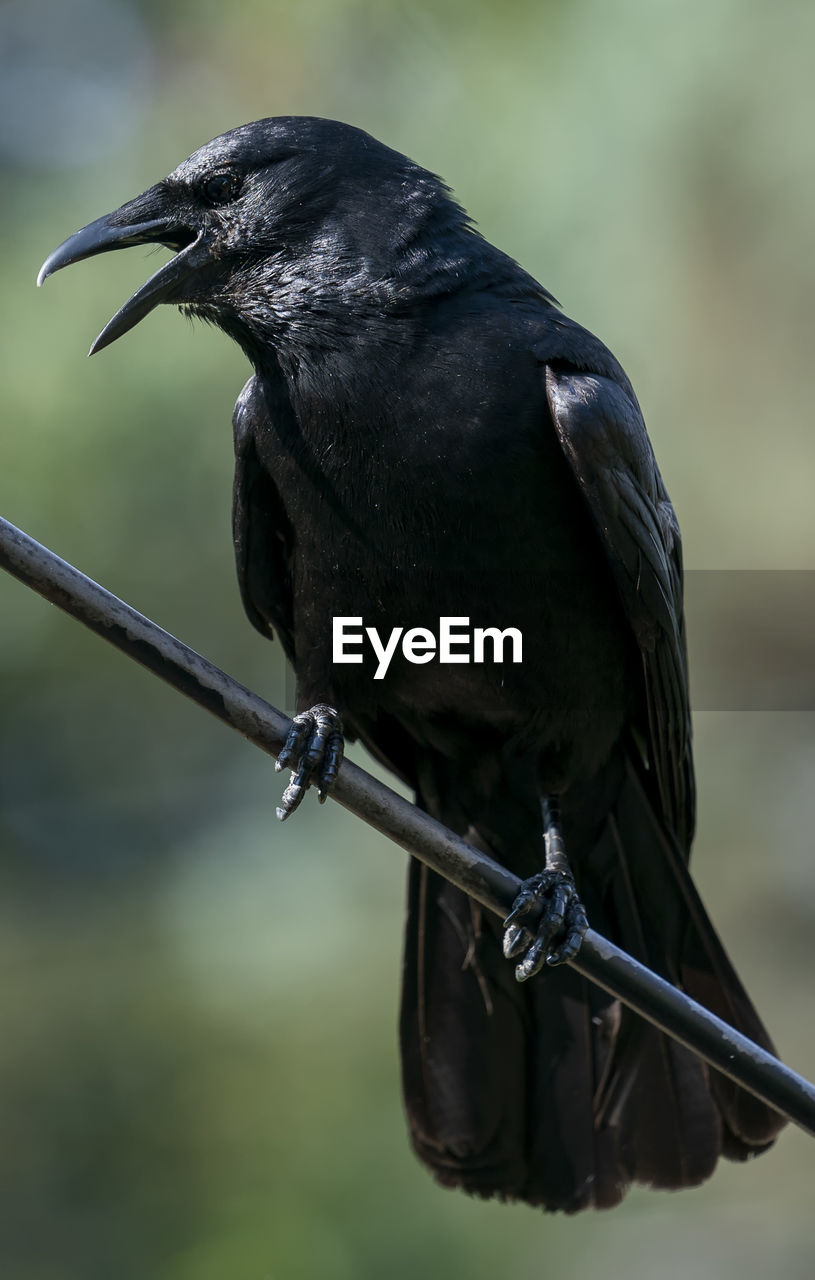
point(492, 885)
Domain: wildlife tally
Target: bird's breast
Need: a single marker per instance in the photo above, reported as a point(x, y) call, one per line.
point(421, 510)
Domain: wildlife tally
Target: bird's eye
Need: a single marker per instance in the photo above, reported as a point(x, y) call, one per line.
point(221, 188)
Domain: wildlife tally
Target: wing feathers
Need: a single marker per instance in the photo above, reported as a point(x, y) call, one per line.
point(260, 527)
point(603, 436)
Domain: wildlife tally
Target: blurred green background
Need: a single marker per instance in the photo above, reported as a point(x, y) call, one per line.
point(198, 1071)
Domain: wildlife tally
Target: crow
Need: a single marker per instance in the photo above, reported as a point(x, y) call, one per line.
point(428, 442)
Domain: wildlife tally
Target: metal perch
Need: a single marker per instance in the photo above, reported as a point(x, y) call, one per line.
point(492, 885)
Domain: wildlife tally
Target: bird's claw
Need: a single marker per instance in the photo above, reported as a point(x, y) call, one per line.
point(547, 921)
point(313, 751)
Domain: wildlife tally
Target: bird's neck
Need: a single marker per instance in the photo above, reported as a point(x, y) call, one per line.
point(360, 295)
point(306, 330)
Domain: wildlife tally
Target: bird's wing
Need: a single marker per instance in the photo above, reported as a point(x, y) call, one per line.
point(260, 528)
point(603, 436)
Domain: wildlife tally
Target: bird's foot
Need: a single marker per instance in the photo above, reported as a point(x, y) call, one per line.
point(313, 751)
point(547, 921)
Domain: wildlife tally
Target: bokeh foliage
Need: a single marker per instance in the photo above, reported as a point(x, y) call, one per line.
point(198, 1071)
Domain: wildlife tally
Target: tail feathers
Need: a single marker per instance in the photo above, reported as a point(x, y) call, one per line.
point(572, 1162)
point(655, 872)
point(551, 1092)
point(670, 1125)
point(491, 1107)
point(463, 1035)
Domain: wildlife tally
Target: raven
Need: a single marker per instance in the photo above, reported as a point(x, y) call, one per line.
point(428, 439)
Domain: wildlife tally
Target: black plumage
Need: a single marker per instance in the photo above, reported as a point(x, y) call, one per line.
point(426, 434)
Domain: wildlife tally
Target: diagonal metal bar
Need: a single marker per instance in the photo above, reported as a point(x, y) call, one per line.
point(492, 885)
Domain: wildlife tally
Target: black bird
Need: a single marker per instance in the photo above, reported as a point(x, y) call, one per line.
point(427, 435)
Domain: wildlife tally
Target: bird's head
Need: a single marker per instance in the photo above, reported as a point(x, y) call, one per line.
point(276, 222)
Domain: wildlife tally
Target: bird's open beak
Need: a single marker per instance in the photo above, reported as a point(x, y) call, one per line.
point(118, 231)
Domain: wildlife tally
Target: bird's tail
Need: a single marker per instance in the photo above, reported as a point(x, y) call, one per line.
point(551, 1091)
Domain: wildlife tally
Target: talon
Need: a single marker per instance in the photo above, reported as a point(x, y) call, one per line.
point(577, 926)
point(527, 902)
point(313, 750)
point(532, 962)
point(516, 940)
point(554, 922)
